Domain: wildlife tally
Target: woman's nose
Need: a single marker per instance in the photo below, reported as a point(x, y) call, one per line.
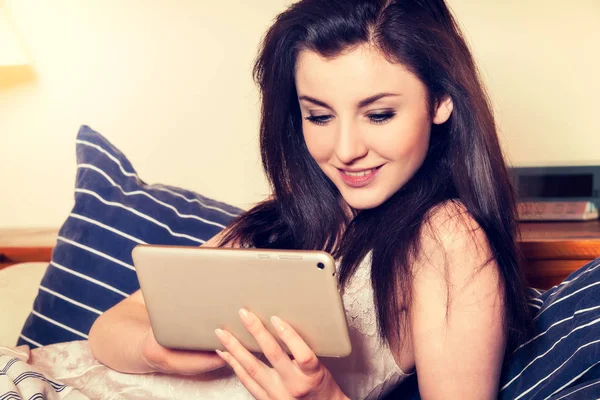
point(349, 144)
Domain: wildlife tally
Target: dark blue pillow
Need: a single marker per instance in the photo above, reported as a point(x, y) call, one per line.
point(91, 268)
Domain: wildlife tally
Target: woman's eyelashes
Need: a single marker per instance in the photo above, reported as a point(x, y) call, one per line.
point(381, 118)
point(319, 119)
point(376, 118)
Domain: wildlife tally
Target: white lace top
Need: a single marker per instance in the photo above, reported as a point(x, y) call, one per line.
point(371, 370)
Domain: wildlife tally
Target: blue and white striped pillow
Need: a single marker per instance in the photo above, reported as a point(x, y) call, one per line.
point(562, 358)
point(91, 268)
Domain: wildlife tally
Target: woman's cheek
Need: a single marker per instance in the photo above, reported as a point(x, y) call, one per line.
point(319, 144)
point(404, 140)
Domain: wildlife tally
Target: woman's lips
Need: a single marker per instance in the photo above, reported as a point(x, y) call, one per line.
point(359, 179)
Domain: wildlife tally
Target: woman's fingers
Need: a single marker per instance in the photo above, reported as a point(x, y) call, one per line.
point(251, 385)
point(302, 377)
point(268, 344)
point(252, 366)
point(304, 357)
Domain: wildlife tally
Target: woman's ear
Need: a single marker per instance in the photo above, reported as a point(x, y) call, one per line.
point(443, 110)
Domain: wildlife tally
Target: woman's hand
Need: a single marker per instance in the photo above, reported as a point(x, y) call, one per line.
point(303, 377)
point(169, 361)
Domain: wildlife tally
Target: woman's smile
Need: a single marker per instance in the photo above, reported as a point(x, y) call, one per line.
point(357, 178)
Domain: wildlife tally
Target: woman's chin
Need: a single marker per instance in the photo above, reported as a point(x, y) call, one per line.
point(364, 201)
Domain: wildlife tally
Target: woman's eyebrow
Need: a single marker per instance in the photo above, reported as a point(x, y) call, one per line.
point(374, 98)
point(361, 104)
point(315, 101)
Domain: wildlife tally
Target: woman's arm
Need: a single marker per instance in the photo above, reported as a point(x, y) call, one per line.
point(457, 312)
point(122, 339)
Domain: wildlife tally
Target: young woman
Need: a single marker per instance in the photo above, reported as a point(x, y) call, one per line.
point(380, 146)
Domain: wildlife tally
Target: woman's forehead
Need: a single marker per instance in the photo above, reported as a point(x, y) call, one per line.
point(357, 72)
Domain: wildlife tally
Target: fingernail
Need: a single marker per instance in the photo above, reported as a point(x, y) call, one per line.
point(221, 354)
point(277, 323)
point(244, 315)
point(222, 335)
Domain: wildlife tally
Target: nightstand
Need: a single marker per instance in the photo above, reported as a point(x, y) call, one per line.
point(552, 250)
point(25, 245)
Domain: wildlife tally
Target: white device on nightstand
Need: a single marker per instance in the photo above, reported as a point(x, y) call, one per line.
point(557, 211)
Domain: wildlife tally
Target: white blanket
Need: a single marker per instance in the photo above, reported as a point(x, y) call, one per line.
point(69, 371)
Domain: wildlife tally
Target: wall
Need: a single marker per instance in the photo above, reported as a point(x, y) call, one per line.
point(541, 61)
point(169, 83)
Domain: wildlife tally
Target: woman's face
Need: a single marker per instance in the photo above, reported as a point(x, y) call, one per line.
point(365, 122)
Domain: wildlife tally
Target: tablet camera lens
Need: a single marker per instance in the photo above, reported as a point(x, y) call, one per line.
point(320, 265)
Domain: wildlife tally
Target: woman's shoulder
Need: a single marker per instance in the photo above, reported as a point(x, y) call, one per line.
point(450, 234)
point(450, 224)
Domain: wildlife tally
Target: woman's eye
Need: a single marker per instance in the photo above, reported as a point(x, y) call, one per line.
point(319, 119)
point(380, 118)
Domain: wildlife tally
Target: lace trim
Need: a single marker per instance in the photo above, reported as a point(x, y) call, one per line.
point(359, 304)
point(359, 300)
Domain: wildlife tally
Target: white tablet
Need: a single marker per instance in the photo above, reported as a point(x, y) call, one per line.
point(191, 291)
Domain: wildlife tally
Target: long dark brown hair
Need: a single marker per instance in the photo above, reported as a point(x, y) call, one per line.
point(464, 161)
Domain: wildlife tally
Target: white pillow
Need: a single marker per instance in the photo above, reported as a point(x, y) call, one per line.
point(18, 287)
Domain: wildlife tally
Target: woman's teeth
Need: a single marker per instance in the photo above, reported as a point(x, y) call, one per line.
point(361, 173)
